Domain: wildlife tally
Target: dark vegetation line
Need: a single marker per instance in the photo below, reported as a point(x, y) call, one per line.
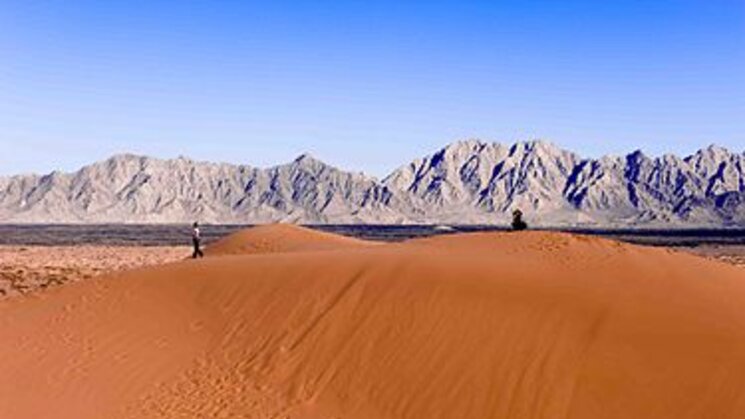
point(177, 234)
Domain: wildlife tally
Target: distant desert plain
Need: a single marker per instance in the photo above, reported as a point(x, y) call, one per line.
point(282, 321)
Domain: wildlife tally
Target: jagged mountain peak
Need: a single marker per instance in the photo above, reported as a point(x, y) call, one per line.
point(128, 158)
point(637, 154)
point(713, 152)
point(308, 163)
point(306, 158)
point(535, 145)
point(467, 181)
point(305, 161)
point(465, 145)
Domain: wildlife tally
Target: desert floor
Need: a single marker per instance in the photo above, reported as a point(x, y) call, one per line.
point(729, 254)
point(27, 269)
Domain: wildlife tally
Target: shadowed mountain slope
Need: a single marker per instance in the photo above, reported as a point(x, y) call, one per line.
point(465, 182)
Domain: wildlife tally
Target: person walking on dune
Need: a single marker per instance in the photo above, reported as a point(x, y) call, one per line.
point(196, 238)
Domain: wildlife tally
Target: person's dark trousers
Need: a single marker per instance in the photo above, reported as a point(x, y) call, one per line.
point(197, 250)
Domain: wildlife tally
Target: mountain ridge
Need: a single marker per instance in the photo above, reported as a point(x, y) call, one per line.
point(466, 182)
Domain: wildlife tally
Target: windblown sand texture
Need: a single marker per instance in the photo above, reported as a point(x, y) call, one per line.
point(483, 325)
point(281, 238)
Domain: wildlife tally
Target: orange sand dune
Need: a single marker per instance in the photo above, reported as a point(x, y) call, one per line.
point(280, 238)
point(488, 325)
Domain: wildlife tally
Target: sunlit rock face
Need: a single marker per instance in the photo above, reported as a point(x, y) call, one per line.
point(465, 182)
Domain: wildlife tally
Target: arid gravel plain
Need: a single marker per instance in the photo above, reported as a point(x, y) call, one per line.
point(27, 269)
point(729, 254)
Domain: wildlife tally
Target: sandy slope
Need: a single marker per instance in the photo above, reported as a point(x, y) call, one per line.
point(487, 325)
point(281, 238)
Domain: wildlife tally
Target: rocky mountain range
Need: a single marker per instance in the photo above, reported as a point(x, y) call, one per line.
point(467, 182)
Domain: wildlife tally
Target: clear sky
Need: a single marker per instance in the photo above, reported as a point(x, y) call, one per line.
point(363, 85)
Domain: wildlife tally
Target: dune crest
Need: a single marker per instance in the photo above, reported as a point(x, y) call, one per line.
point(280, 238)
point(486, 325)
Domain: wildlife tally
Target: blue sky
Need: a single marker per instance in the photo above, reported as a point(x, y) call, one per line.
point(363, 85)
